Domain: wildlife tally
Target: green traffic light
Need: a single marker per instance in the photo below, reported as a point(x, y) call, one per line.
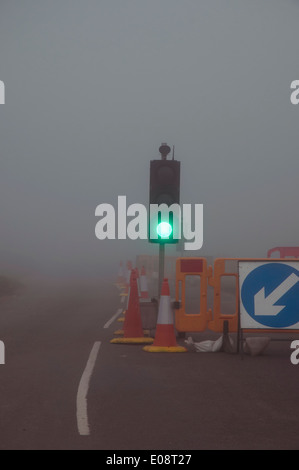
point(164, 230)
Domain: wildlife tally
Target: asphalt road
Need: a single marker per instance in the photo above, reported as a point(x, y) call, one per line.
point(57, 349)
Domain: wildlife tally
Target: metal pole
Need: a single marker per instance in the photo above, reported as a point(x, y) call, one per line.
point(161, 266)
point(164, 151)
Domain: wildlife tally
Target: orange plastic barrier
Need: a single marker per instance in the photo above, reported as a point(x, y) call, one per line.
point(192, 267)
point(224, 268)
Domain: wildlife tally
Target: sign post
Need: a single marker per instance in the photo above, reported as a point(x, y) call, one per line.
point(161, 266)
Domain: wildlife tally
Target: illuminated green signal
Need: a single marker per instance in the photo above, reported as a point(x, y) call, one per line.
point(164, 229)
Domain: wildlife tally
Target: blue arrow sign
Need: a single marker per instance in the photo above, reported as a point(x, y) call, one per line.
point(270, 295)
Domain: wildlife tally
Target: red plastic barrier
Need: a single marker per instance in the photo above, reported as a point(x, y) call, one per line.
point(285, 251)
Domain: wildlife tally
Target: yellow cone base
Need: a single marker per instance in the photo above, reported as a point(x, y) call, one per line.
point(121, 319)
point(123, 295)
point(121, 332)
point(132, 340)
point(172, 349)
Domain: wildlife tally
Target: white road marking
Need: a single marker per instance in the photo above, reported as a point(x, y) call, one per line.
point(82, 415)
point(122, 299)
point(119, 311)
point(2, 353)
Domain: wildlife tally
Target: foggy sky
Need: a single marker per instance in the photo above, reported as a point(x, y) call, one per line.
point(94, 87)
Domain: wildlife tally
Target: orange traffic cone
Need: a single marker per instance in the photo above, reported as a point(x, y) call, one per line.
point(133, 332)
point(165, 340)
point(120, 277)
point(143, 285)
point(128, 276)
point(138, 280)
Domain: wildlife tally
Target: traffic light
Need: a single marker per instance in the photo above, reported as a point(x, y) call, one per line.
point(164, 223)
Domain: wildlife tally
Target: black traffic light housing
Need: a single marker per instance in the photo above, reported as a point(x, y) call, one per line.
point(164, 189)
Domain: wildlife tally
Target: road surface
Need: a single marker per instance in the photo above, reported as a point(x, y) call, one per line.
point(64, 386)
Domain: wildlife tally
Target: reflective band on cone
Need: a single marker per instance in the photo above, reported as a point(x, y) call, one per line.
point(133, 332)
point(129, 272)
point(138, 280)
point(165, 340)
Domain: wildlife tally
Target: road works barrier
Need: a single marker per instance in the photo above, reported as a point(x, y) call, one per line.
point(224, 269)
point(235, 295)
point(206, 318)
point(186, 267)
point(258, 291)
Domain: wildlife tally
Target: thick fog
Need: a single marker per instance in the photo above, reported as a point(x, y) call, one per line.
point(92, 90)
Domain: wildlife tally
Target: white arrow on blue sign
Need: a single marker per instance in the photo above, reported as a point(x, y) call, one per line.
point(269, 294)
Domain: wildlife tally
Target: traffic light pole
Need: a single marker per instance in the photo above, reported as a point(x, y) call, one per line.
point(164, 189)
point(161, 267)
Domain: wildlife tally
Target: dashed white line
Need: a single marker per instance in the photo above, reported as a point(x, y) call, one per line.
point(82, 415)
point(119, 311)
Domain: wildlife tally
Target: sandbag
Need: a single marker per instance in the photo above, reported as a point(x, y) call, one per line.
point(206, 346)
point(256, 346)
